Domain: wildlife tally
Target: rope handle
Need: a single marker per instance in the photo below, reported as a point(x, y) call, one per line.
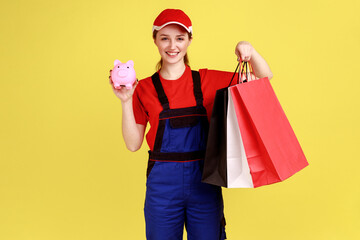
point(244, 66)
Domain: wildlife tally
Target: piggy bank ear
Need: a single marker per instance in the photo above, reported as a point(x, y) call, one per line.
point(116, 62)
point(130, 62)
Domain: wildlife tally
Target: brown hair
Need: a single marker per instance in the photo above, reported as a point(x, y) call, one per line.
point(186, 57)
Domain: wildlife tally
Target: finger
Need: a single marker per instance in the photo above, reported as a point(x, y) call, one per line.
point(111, 83)
point(136, 82)
point(238, 55)
point(243, 57)
point(237, 51)
point(242, 53)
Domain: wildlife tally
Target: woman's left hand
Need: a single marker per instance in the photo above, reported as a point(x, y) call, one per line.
point(244, 50)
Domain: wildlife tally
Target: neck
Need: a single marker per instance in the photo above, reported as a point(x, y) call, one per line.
point(172, 71)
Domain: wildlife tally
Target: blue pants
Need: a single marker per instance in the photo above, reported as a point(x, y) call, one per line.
point(176, 196)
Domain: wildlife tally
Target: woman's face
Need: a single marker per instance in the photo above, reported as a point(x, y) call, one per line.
point(172, 42)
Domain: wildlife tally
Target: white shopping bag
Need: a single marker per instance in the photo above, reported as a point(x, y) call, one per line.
point(238, 171)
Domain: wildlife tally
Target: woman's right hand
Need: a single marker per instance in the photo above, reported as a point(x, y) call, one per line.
point(123, 93)
point(132, 132)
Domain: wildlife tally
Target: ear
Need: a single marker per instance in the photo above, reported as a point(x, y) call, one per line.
point(116, 62)
point(131, 63)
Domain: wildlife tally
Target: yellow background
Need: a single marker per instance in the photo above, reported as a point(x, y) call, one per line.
point(64, 170)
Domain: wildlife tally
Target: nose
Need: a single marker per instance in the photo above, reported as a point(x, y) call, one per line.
point(122, 73)
point(172, 44)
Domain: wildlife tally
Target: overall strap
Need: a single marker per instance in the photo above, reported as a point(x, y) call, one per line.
point(160, 91)
point(162, 96)
point(197, 88)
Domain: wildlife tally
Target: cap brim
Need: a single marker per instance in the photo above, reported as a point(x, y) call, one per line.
point(157, 28)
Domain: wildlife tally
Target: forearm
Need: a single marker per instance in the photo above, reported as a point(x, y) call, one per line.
point(260, 66)
point(132, 132)
point(245, 51)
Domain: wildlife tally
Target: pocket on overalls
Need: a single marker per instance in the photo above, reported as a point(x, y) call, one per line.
point(184, 134)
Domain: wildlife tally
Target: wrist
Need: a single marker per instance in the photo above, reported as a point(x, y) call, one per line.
point(127, 102)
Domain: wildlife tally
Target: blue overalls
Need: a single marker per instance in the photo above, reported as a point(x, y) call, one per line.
point(175, 194)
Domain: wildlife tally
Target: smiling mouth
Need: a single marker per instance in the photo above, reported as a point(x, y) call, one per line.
point(172, 54)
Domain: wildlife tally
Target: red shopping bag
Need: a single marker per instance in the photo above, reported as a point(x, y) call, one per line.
point(272, 150)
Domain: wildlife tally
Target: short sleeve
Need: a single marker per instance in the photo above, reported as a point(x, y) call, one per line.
point(140, 114)
point(218, 79)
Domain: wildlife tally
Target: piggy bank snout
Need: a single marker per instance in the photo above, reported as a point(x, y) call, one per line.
point(122, 72)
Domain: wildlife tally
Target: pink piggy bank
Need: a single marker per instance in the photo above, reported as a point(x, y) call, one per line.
point(123, 74)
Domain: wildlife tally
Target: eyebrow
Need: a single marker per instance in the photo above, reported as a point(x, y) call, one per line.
point(179, 35)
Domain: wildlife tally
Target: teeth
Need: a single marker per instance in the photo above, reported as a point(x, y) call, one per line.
point(172, 54)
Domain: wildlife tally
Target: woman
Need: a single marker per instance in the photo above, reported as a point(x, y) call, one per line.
point(177, 102)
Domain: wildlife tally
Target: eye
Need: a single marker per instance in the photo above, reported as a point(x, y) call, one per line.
point(118, 66)
point(164, 39)
point(127, 67)
point(180, 39)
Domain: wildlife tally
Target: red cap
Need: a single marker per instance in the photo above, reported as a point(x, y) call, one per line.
point(172, 16)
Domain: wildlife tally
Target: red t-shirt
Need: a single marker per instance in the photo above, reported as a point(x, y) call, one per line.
point(180, 94)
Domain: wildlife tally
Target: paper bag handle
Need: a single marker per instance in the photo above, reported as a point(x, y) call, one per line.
point(248, 70)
